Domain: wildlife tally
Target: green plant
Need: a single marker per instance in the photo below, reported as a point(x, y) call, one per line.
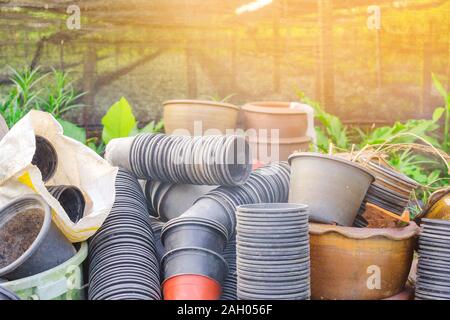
point(217, 98)
point(332, 130)
point(27, 94)
point(438, 112)
point(119, 122)
point(62, 97)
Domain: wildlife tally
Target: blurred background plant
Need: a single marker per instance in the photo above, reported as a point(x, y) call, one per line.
point(427, 169)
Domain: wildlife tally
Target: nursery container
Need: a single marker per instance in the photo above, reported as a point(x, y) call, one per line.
point(343, 259)
point(269, 115)
point(49, 248)
point(6, 294)
point(276, 150)
point(71, 199)
point(182, 114)
point(191, 287)
point(332, 187)
point(64, 282)
point(45, 158)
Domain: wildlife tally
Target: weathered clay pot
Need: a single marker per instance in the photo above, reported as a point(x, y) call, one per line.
point(266, 151)
point(291, 123)
point(182, 114)
point(345, 261)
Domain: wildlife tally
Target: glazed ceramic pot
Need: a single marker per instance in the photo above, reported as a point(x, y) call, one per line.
point(266, 151)
point(346, 262)
point(332, 187)
point(216, 117)
point(291, 123)
point(438, 206)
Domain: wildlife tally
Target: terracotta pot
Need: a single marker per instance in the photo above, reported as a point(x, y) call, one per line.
point(182, 114)
point(261, 149)
point(343, 260)
point(275, 115)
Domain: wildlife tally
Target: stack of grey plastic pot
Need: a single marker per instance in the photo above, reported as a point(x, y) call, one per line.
point(71, 199)
point(123, 262)
point(203, 160)
point(201, 233)
point(433, 275)
point(391, 190)
point(157, 226)
point(273, 252)
point(167, 200)
point(229, 287)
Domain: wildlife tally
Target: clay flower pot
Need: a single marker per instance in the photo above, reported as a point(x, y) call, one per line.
point(265, 150)
point(181, 114)
point(343, 260)
point(291, 123)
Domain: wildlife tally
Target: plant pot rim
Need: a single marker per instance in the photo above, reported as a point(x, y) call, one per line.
point(257, 107)
point(404, 233)
point(330, 157)
point(45, 227)
point(281, 141)
point(204, 102)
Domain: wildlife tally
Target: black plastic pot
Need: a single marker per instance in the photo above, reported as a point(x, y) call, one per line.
point(49, 249)
point(123, 261)
point(71, 199)
point(45, 158)
point(194, 232)
point(197, 261)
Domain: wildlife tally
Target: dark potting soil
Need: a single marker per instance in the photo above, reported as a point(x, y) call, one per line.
point(18, 233)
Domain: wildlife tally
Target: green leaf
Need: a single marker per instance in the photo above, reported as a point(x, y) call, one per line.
point(439, 86)
point(437, 114)
point(73, 131)
point(118, 122)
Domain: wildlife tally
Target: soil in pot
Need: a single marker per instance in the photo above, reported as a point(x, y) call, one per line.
point(17, 234)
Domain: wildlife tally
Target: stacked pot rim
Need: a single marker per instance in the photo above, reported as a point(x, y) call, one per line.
point(122, 256)
point(433, 276)
point(205, 160)
point(272, 251)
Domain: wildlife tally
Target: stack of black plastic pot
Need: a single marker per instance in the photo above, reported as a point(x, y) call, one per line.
point(229, 287)
point(122, 255)
point(195, 241)
point(202, 160)
point(273, 252)
point(433, 269)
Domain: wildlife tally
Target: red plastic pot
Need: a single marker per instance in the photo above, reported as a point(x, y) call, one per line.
point(191, 287)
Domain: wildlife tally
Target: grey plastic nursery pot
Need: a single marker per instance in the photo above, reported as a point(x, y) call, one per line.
point(49, 248)
point(194, 232)
point(332, 187)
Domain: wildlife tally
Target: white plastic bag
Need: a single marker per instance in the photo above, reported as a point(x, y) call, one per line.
point(78, 165)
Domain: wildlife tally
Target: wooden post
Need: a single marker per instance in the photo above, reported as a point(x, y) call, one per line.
point(427, 52)
point(276, 57)
point(89, 70)
point(191, 72)
point(326, 67)
point(378, 61)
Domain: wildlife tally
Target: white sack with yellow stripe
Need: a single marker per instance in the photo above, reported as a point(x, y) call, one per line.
point(78, 165)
